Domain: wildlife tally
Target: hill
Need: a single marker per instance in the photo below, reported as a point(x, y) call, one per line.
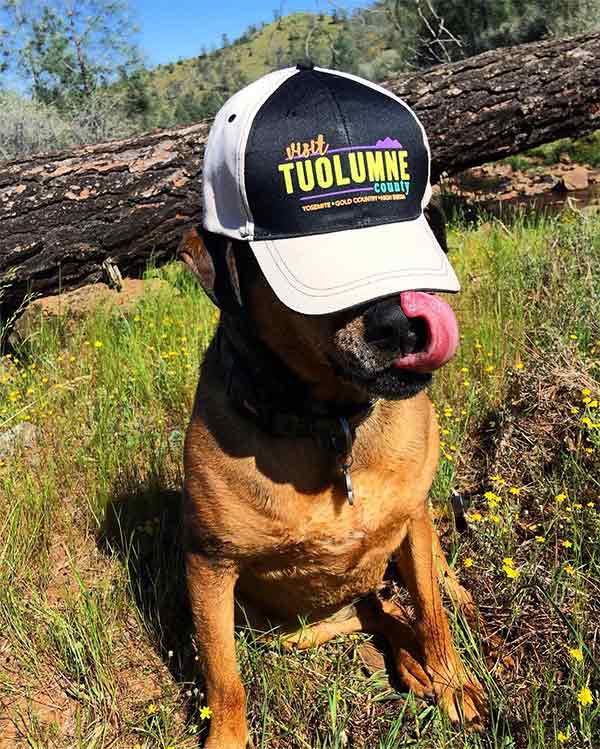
point(193, 88)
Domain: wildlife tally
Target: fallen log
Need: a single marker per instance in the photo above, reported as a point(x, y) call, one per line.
point(63, 214)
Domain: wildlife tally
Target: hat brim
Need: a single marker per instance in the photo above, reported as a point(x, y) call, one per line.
point(323, 273)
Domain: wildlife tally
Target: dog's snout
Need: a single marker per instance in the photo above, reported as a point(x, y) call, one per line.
point(389, 329)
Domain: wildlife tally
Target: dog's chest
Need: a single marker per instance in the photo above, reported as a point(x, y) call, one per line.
point(318, 552)
point(325, 534)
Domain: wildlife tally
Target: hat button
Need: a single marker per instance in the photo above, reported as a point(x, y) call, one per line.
point(305, 65)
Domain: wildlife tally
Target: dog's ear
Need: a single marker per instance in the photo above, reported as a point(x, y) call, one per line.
point(211, 258)
point(437, 223)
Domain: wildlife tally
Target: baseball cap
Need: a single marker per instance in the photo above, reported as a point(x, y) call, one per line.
point(326, 175)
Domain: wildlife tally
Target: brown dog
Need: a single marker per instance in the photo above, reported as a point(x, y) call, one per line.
point(285, 403)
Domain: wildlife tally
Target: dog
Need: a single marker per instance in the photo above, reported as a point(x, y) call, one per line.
point(267, 517)
point(312, 444)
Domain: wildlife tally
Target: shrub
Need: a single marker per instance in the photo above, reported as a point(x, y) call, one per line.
point(28, 127)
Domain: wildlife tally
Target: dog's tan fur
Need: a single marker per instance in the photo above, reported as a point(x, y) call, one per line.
point(266, 518)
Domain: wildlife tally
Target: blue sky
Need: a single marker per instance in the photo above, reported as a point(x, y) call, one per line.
point(170, 30)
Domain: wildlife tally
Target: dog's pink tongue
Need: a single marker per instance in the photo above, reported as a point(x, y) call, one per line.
point(442, 329)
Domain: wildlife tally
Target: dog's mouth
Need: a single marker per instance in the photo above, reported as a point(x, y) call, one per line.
point(391, 382)
point(404, 339)
point(435, 329)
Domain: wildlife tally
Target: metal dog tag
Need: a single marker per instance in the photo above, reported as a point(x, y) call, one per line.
point(348, 482)
point(346, 465)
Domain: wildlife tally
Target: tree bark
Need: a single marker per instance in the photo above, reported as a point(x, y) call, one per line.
point(63, 214)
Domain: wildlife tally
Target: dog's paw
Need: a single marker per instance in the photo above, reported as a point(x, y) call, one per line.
point(460, 695)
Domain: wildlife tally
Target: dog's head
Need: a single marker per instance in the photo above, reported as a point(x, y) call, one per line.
point(386, 348)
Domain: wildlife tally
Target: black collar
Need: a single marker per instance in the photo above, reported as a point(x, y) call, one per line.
point(265, 395)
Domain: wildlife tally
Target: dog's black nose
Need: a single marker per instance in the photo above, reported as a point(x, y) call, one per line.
point(388, 328)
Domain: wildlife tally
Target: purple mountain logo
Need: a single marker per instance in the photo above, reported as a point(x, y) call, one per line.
point(388, 143)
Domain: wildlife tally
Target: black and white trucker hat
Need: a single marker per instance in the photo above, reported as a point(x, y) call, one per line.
point(326, 176)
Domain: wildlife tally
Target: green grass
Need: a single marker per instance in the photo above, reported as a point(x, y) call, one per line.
point(95, 636)
point(584, 150)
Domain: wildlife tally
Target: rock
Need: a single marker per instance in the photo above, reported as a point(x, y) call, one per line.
point(549, 181)
point(504, 170)
point(24, 435)
point(74, 305)
point(594, 177)
point(564, 158)
point(576, 179)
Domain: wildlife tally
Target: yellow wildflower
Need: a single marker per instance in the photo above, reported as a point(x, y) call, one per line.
point(519, 365)
point(569, 569)
point(98, 344)
point(509, 561)
point(152, 709)
point(510, 572)
point(562, 737)
point(540, 539)
point(576, 654)
point(492, 496)
point(585, 696)
point(566, 544)
point(205, 713)
point(560, 497)
point(469, 562)
point(585, 392)
point(476, 517)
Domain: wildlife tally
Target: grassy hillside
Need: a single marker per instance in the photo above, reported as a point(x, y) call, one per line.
point(254, 53)
point(191, 88)
point(95, 638)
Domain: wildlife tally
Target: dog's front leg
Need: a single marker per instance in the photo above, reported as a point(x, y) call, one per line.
point(211, 589)
point(456, 690)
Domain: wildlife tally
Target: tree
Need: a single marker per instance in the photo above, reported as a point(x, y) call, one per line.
point(66, 49)
point(392, 36)
point(481, 25)
point(346, 55)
